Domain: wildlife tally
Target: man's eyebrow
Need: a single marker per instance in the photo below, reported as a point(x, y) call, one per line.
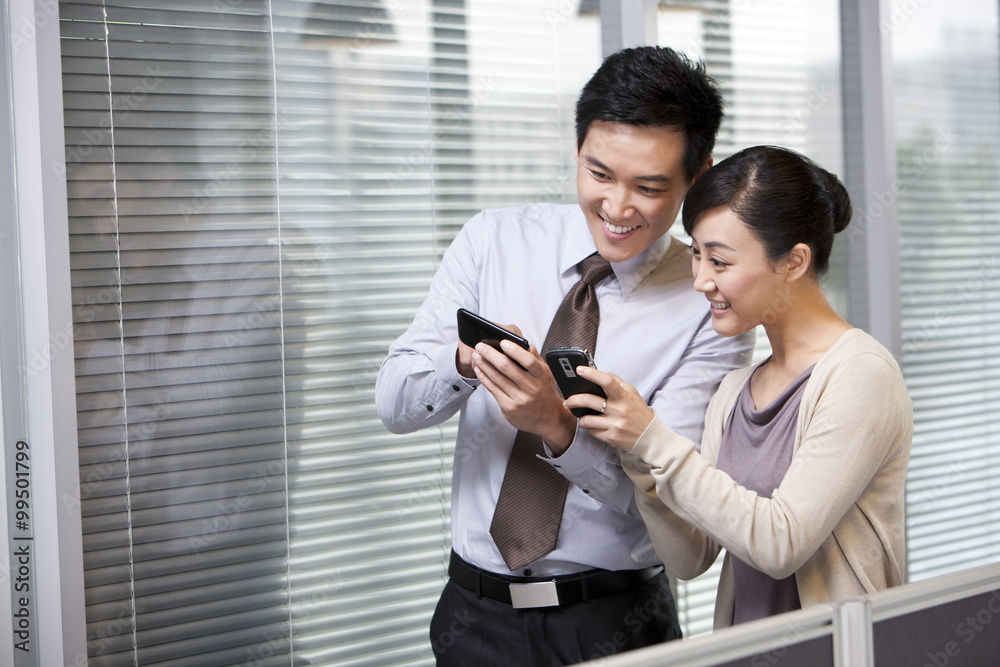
point(655, 178)
point(590, 159)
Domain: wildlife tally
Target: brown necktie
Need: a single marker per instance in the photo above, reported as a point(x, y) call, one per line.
point(532, 496)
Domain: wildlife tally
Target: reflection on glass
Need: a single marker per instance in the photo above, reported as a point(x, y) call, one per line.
point(947, 101)
point(258, 194)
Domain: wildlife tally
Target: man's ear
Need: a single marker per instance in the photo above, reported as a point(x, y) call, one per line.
point(798, 261)
point(705, 167)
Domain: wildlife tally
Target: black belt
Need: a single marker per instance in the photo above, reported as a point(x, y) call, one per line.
point(526, 592)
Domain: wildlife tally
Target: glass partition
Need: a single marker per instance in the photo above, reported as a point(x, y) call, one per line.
point(778, 64)
point(259, 193)
point(947, 99)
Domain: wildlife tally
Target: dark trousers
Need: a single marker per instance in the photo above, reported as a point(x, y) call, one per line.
point(471, 632)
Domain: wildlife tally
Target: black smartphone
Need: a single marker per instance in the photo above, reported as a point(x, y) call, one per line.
point(472, 329)
point(563, 362)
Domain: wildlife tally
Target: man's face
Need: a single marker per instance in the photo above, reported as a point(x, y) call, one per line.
point(630, 182)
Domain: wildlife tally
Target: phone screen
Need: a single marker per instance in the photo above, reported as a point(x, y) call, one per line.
point(473, 329)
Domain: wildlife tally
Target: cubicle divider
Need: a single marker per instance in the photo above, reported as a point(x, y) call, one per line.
point(949, 621)
point(944, 622)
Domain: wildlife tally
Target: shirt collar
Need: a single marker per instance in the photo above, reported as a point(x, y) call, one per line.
point(630, 273)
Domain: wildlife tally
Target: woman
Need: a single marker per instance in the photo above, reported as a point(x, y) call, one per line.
point(802, 464)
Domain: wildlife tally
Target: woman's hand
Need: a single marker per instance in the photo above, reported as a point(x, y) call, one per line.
point(625, 414)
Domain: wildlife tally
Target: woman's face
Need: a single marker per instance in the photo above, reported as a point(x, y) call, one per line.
point(731, 269)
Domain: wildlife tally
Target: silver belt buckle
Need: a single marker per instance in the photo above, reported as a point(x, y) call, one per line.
point(536, 594)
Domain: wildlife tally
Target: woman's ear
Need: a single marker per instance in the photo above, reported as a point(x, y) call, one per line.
point(798, 261)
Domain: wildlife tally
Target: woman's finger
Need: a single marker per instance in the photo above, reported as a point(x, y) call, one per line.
point(612, 385)
point(591, 401)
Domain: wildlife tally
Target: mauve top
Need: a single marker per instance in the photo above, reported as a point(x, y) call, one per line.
point(756, 451)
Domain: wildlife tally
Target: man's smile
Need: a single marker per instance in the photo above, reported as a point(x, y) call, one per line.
point(615, 229)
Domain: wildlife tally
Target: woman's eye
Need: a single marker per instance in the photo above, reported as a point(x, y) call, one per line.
point(718, 263)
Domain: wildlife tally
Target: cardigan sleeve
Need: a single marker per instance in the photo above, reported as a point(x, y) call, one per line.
point(858, 417)
point(685, 550)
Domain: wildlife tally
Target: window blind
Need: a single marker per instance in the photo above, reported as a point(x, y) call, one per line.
point(947, 88)
point(259, 193)
point(777, 63)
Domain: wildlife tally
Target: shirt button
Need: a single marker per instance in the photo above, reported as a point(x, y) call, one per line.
point(430, 408)
point(527, 572)
point(456, 387)
point(587, 491)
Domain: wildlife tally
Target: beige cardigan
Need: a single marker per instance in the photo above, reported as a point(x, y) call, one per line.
point(836, 519)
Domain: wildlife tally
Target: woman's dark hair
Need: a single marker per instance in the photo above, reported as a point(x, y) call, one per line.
point(657, 87)
point(781, 196)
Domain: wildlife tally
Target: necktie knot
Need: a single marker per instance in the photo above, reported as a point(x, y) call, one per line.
point(594, 269)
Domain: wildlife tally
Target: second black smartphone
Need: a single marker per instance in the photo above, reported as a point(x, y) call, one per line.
point(472, 329)
point(563, 362)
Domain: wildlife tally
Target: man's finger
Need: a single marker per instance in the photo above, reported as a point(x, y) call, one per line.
point(516, 352)
point(491, 355)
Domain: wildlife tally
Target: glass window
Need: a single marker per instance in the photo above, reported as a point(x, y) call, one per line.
point(259, 193)
point(945, 66)
point(778, 64)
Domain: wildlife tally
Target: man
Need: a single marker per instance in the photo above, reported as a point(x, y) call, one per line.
point(646, 125)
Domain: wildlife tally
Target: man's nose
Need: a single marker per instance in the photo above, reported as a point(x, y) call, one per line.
point(618, 204)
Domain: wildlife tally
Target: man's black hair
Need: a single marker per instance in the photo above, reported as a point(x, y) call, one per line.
point(656, 87)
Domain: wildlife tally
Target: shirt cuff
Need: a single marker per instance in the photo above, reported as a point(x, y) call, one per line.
point(446, 368)
point(581, 455)
point(450, 386)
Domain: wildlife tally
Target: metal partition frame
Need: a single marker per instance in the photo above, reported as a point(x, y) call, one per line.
point(906, 599)
point(767, 637)
point(848, 623)
point(873, 297)
point(12, 408)
point(627, 23)
point(36, 351)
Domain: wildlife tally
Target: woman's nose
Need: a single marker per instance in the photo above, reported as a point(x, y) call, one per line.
point(703, 281)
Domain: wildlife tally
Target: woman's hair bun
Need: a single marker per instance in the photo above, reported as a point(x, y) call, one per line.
point(841, 209)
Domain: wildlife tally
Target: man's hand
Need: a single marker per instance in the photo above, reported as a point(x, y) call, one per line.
point(463, 360)
point(523, 386)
